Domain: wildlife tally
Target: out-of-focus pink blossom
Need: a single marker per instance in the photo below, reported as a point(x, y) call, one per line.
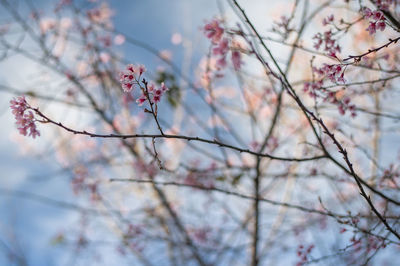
point(377, 22)
point(214, 31)
point(141, 100)
point(328, 20)
point(151, 87)
point(222, 47)
point(141, 69)
point(236, 60)
point(156, 98)
point(164, 88)
point(367, 12)
point(372, 28)
point(176, 38)
point(381, 25)
point(377, 15)
point(119, 39)
point(166, 55)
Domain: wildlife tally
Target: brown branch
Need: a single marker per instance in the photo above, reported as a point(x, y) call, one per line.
point(357, 58)
point(169, 136)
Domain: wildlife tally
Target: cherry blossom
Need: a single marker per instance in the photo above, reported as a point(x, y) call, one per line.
point(25, 117)
point(214, 31)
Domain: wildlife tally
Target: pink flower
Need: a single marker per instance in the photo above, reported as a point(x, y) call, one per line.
point(377, 15)
point(164, 88)
point(214, 31)
point(156, 98)
point(128, 78)
point(341, 78)
point(151, 87)
point(25, 119)
point(222, 47)
point(130, 68)
point(367, 12)
point(127, 98)
point(158, 92)
point(141, 100)
point(236, 60)
point(372, 28)
point(119, 39)
point(141, 69)
point(381, 25)
point(221, 62)
point(127, 87)
point(18, 106)
point(328, 20)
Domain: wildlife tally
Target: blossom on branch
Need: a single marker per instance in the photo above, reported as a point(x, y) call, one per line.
point(132, 76)
point(222, 44)
point(25, 118)
point(214, 31)
point(378, 22)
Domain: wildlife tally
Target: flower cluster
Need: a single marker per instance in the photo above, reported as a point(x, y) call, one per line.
point(131, 77)
point(328, 20)
point(335, 73)
point(377, 21)
point(344, 105)
point(222, 44)
point(154, 94)
point(214, 31)
point(330, 45)
point(282, 26)
point(25, 119)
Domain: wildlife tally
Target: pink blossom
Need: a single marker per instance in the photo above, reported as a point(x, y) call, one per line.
point(25, 119)
point(127, 98)
point(158, 92)
point(141, 69)
point(119, 39)
point(331, 46)
point(128, 78)
point(221, 62)
point(236, 60)
point(176, 38)
point(127, 87)
point(372, 28)
point(130, 68)
point(341, 78)
point(141, 100)
point(381, 25)
point(164, 88)
point(156, 98)
point(214, 31)
point(328, 20)
point(151, 87)
point(377, 15)
point(222, 47)
point(367, 12)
